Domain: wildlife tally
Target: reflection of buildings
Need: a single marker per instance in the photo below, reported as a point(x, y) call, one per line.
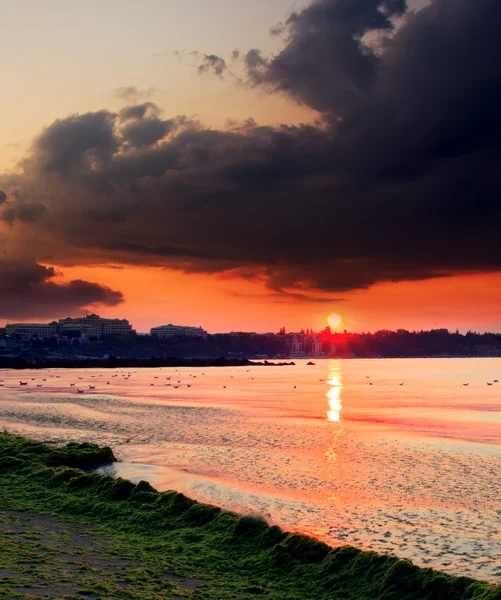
point(334, 396)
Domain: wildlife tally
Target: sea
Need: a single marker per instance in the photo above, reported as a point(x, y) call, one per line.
point(399, 456)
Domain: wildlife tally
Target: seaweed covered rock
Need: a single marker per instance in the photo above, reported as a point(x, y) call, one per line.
point(243, 554)
point(80, 456)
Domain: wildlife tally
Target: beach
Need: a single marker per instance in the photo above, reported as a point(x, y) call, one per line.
point(106, 537)
point(410, 470)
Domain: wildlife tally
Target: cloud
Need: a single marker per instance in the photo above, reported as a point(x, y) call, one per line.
point(141, 125)
point(325, 63)
point(23, 211)
point(139, 111)
point(3, 197)
point(145, 132)
point(397, 181)
point(76, 143)
point(212, 63)
point(131, 93)
point(27, 291)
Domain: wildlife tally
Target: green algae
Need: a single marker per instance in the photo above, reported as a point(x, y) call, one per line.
point(232, 556)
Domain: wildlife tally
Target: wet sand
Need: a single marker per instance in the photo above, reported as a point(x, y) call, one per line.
point(408, 469)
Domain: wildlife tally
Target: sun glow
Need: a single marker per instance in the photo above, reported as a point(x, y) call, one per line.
point(334, 320)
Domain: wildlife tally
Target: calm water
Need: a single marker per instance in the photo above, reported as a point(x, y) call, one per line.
point(410, 469)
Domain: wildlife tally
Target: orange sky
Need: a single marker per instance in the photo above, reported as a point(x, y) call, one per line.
point(42, 84)
point(156, 296)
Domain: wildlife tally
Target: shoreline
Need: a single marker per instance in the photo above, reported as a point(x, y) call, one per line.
point(229, 553)
point(40, 363)
point(13, 363)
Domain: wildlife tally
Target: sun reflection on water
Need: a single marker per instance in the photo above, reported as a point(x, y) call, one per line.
point(334, 393)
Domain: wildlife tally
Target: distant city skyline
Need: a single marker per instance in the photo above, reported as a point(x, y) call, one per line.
point(125, 325)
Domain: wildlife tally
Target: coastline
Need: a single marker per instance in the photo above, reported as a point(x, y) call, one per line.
point(15, 363)
point(39, 363)
point(230, 556)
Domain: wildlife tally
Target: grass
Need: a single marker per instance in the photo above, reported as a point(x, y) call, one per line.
point(169, 540)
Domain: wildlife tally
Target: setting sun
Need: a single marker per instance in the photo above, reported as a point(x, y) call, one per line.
point(334, 320)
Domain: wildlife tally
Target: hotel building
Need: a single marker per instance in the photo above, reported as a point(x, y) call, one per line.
point(168, 331)
point(45, 330)
point(94, 326)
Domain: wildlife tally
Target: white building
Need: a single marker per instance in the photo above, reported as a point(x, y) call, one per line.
point(168, 331)
point(94, 326)
point(296, 348)
point(44, 330)
point(316, 346)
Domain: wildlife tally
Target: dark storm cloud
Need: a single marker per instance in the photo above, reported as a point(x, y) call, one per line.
point(3, 197)
point(145, 132)
point(77, 142)
point(142, 126)
point(27, 291)
point(325, 63)
point(398, 181)
point(23, 211)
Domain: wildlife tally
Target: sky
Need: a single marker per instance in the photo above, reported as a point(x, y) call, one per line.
point(250, 165)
